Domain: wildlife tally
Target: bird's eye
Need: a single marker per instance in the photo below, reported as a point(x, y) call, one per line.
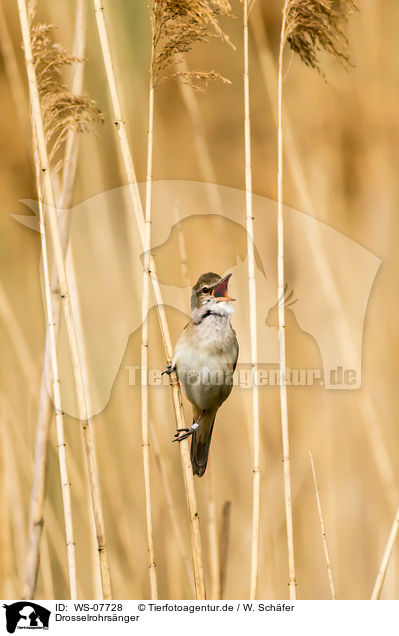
point(205, 290)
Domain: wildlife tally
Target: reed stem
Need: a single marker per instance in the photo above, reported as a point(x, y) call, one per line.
point(51, 214)
point(323, 529)
point(281, 326)
point(45, 412)
point(59, 416)
point(144, 347)
point(252, 317)
point(379, 582)
point(224, 545)
point(130, 174)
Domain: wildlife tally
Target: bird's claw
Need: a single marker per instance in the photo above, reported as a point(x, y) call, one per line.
point(182, 437)
point(169, 369)
point(187, 433)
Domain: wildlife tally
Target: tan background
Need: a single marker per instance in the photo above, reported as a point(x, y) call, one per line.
point(341, 168)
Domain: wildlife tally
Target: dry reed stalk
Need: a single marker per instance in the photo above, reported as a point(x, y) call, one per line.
point(170, 503)
point(323, 530)
point(281, 328)
point(176, 27)
point(48, 580)
point(52, 335)
point(209, 483)
point(379, 582)
point(270, 77)
point(54, 130)
point(130, 174)
point(224, 545)
point(214, 554)
point(19, 441)
point(13, 487)
point(252, 318)
point(45, 405)
point(144, 338)
point(308, 26)
point(127, 161)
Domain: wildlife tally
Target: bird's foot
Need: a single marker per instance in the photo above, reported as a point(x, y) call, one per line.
point(169, 369)
point(187, 432)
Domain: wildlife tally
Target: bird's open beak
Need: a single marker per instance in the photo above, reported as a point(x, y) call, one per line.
point(220, 291)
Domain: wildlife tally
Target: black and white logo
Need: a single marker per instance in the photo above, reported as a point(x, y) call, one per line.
point(26, 615)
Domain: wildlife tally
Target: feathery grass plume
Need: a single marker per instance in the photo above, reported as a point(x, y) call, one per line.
point(177, 25)
point(61, 109)
point(313, 26)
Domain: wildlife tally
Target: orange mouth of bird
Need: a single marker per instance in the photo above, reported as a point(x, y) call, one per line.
point(220, 291)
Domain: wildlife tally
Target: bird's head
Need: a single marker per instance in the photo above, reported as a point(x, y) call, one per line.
point(210, 288)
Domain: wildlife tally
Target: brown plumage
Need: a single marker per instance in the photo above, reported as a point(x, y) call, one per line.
point(205, 358)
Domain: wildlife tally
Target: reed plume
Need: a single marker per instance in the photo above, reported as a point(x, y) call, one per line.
point(309, 27)
point(62, 110)
point(313, 26)
point(177, 25)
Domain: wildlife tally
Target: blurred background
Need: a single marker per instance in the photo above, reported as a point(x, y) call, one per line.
point(340, 167)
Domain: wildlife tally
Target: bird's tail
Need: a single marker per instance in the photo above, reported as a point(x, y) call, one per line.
point(200, 442)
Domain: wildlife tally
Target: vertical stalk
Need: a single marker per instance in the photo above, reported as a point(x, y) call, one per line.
point(51, 214)
point(144, 345)
point(170, 504)
point(214, 554)
point(45, 412)
point(379, 582)
point(212, 529)
point(130, 174)
point(281, 325)
point(224, 545)
point(252, 317)
point(323, 529)
point(59, 416)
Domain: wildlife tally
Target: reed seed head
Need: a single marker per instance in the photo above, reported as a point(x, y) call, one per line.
point(61, 110)
point(313, 26)
point(177, 25)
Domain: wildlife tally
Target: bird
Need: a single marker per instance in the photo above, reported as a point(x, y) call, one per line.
point(204, 360)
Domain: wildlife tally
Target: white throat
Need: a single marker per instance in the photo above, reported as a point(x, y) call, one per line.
point(220, 307)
